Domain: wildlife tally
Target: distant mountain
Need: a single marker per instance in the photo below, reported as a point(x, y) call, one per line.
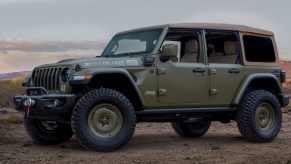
point(8, 76)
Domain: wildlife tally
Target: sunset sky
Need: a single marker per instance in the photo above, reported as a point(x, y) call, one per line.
point(34, 32)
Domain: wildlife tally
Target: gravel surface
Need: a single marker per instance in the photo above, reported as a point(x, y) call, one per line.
point(153, 143)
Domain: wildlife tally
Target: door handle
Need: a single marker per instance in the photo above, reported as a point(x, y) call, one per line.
point(234, 70)
point(198, 70)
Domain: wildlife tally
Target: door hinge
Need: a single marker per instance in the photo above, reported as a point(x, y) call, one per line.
point(161, 71)
point(162, 92)
point(212, 71)
point(212, 91)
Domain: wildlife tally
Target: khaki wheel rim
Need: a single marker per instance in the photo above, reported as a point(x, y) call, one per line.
point(105, 120)
point(265, 117)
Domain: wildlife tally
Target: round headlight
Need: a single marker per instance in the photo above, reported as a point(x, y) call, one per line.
point(66, 74)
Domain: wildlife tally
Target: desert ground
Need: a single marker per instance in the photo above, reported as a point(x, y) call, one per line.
point(151, 143)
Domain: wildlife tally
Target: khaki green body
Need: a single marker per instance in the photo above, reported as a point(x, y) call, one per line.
point(168, 84)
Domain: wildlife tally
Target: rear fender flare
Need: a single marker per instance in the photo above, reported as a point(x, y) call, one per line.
point(249, 79)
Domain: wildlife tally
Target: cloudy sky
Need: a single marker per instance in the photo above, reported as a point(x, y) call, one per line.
point(34, 32)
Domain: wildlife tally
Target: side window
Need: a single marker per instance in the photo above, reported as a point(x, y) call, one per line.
point(188, 46)
point(258, 49)
point(222, 47)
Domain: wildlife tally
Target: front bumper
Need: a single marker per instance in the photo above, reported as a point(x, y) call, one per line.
point(44, 103)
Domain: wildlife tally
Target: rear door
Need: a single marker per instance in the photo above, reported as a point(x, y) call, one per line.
point(225, 69)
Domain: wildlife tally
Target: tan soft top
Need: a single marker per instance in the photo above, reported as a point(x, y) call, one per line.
point(222, 27)
point(217, 26)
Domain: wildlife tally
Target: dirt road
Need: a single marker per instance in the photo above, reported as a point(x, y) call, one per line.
point(155, 143)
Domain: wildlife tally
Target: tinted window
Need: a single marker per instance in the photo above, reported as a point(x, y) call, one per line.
point(258, 49)
point(222, 47)
point(187, 42)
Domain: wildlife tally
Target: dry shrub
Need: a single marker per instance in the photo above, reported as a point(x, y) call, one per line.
point(9, 89)
point(15, 119)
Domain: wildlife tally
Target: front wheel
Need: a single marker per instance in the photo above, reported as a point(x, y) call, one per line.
point(191, 129)
point(103, 120)
point(259, 116)
point(47, 132)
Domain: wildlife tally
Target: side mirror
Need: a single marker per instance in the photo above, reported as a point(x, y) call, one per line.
point(168, 51)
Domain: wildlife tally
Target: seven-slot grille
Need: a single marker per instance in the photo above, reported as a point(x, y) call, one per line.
point(48, 78)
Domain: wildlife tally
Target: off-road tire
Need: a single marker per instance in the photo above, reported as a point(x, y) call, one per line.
point(248, 116)
point(39, 132)
point(191, 129)
point(91, 138)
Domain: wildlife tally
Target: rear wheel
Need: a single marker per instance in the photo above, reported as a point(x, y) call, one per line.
point(259, 116)
point(103, 120)
point(47, 132)
point(191, 129)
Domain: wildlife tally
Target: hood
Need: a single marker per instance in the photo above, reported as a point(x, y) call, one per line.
point(98, 62)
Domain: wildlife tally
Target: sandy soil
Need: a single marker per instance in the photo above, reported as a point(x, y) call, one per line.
point(154, 143)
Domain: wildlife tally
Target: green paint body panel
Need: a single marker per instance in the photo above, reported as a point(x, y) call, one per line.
point(182, 85)
point(226, 83)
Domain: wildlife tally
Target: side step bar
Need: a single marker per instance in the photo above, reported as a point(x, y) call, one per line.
point(185, 110)
point(169, 115)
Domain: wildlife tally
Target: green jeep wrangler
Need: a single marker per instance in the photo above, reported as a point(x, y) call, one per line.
point(186, 74)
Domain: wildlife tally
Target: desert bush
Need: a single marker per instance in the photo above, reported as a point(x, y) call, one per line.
point(9, 89)
point(15, 119)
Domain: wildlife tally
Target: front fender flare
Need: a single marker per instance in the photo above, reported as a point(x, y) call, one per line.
point(99, 71)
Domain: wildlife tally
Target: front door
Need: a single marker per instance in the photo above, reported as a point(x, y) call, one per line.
point(182, 83)
point(184, 79)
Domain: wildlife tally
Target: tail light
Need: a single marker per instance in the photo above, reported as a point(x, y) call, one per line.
point(283, 76)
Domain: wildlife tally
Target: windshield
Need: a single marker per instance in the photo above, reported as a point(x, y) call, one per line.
point(132, 43)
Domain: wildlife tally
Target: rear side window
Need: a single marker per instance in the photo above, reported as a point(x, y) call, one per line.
point(258, 49)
